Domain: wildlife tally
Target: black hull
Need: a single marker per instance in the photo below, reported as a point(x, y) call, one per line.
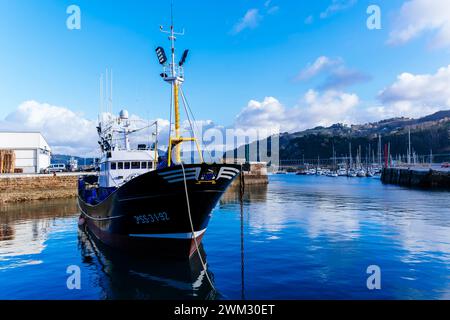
point(149, 214)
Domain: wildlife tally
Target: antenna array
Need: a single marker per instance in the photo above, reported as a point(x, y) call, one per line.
point(106, 92)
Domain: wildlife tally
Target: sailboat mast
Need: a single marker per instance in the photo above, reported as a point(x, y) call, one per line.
point(409, 146)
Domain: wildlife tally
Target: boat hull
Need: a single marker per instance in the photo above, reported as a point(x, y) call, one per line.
point(150, 215)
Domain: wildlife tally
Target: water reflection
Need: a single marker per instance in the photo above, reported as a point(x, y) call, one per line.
point(123, 276)
point(305, 237)
point(24, 230)
point(252, 193)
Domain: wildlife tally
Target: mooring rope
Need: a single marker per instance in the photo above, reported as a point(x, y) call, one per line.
point(193, 231)
point(241, 201)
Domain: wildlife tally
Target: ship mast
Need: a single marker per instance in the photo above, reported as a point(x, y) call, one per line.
point(175, 78)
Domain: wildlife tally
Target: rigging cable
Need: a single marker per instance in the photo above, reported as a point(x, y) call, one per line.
point(186, 106)
point(193, 231)
point(190, 122)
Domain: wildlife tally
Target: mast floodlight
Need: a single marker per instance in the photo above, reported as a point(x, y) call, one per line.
point(161, 54)
point(183, 58)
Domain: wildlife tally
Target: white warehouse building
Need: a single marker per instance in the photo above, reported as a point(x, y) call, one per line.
point(32, 152)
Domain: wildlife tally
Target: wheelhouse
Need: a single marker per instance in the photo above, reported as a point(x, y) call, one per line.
point(121, 167)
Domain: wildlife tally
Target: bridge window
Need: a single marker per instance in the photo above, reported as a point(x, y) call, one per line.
point(150, 165)
point(143, 165)
point(120, 165)
point(113, 165)
point(135, 165)
point(127, 165)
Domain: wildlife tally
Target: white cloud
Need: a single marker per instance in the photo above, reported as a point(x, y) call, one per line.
point(268, 113)
point(65, 131)
point(416, 95)
point(395, 110)
point(71, 133)
point(253, 17)
point(410, 95)
point(321, 64)
point(336, 6)
point(269, 8)
point(417, 17)
point(251, 20)
point(337, 74)
point(330, 107)
point(315, 109)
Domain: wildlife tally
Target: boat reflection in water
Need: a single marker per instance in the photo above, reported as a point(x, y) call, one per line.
point(252, 194)
point(126, 276)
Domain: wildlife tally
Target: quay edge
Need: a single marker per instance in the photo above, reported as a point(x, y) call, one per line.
point(418, 178)
point(16, 188)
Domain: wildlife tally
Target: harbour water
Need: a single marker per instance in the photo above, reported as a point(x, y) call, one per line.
point(300, 237)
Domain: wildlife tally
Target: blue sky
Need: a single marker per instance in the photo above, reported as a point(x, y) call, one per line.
point(233, 61)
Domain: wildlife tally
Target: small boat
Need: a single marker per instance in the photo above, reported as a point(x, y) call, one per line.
point(352, 174)
point(377, 174)
point(332, 174)
point(361, 173)
point(145, 203)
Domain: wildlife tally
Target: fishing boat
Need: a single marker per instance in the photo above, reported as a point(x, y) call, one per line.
point(143, 202)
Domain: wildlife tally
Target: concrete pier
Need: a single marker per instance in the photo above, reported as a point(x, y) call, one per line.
point(31, 187)
point(255, 173)
point(419, 178)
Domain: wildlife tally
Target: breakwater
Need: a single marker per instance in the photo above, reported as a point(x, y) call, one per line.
point(20, 188)
point(254, 174)
point(419, 178)
point(251, 179)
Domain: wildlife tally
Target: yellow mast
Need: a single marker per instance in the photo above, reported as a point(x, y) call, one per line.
point(176, 81)
point(177, 122)
point(177, 140)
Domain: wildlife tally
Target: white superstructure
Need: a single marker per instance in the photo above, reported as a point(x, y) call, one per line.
point(119, 162)
point(31, 150)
